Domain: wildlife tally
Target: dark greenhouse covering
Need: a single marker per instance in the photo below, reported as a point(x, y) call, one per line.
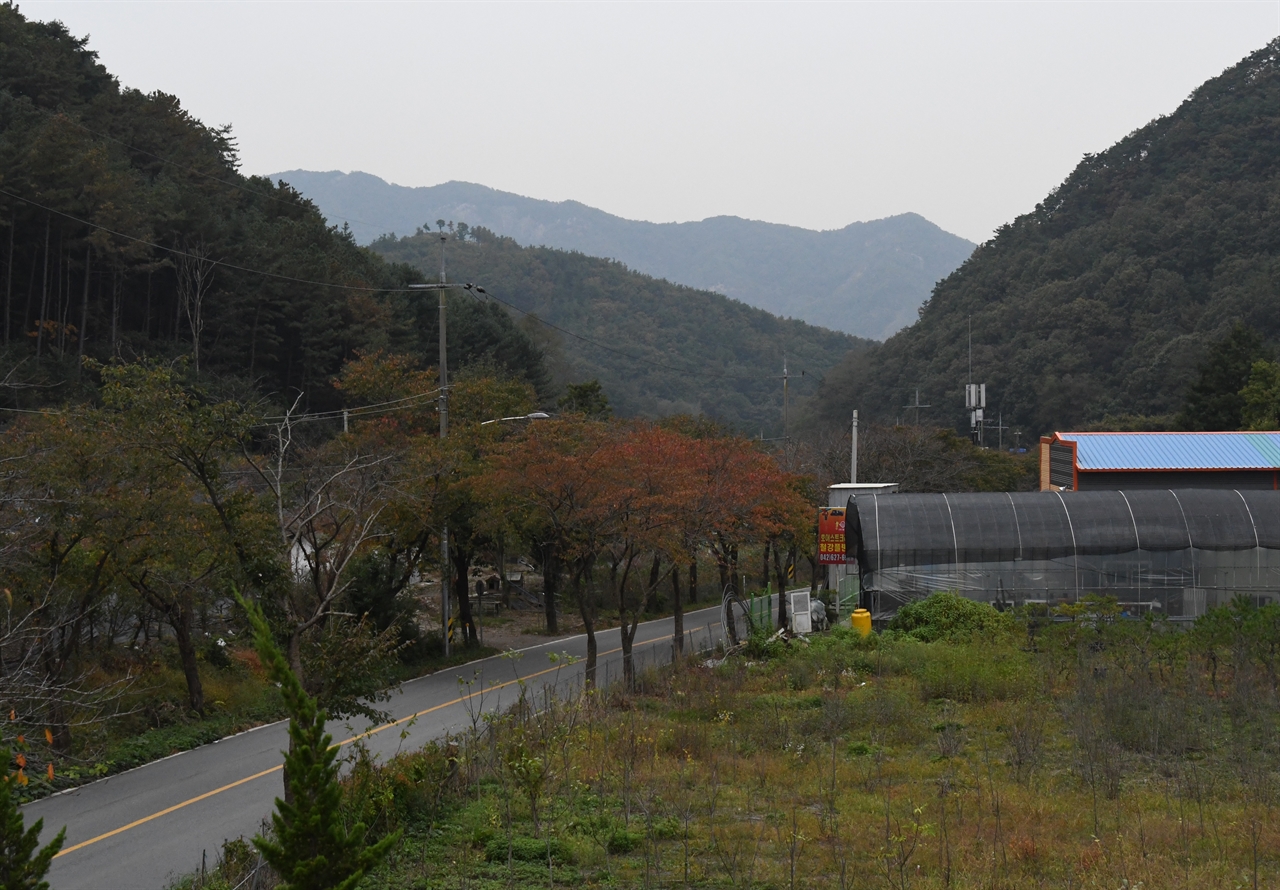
point(1172, 552)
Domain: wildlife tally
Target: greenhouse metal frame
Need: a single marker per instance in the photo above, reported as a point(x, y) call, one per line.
point(1171, 552)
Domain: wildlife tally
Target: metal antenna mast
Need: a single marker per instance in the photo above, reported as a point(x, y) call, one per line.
point(975, 398)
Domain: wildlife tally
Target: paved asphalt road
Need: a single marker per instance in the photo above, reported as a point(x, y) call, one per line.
point(140, 829)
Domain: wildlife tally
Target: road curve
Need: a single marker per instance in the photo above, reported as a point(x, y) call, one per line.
point(140, 829)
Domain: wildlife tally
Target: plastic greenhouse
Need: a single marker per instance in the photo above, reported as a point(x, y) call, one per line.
point(1176, 552)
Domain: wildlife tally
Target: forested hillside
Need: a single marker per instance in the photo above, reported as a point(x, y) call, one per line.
point(657, 348)
point(125, 229)
point(868, 278)
point(1102, 301)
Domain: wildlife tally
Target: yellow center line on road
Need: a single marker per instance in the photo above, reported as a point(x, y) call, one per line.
point(363, 735)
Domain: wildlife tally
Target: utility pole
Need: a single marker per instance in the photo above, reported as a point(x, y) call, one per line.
point(1000, 428)
point(853, 457)
point(442, 286)
point(917, 406)
point(786, 434)
point(476, 292)
point(445, 574)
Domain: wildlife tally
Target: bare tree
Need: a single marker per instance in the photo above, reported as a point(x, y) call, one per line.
point(327, 504)
point(40, 702)
point(195, 279)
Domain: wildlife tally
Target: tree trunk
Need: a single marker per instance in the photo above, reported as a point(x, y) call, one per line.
point(44, 291)
point(627, 628)
point(549, 572)
point(583, 594)
point(84, 310)
point(462, 565)
point(782, 588)
point(628, 661)
point(8, 290)
point(179, 616)
point(764, 574)
point(295, 655)
point(733, 567)
point(58, 722)
point(31, 290)
point(677, 617)
point(651, 593)
point(59, 725)
point(693, 581)
point(115, 311)
point(62, 306)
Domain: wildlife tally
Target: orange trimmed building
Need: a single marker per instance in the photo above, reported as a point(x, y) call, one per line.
point(1113, 461)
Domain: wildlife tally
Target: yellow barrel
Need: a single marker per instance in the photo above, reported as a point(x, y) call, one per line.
point(861, 621)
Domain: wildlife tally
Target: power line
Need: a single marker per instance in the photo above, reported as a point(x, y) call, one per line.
point(230, 184)
point(390, 290)
point(183, 253)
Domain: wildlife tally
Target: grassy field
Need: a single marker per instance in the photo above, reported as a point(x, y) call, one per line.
point(1085, 751)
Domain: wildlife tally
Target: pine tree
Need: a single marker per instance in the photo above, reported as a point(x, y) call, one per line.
point(21, 867)
point(1214, 401)
point(310, 849)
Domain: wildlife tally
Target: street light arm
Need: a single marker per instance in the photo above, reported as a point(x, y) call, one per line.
point(448, 286)
point(536, 415)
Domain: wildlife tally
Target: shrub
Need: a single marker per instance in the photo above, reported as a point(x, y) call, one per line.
point(762, 644)
point(972, 672)
point(528, 849)
point(950, 617)
point(623, 841)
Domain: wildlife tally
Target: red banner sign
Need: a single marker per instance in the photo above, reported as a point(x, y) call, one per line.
point(831, 535)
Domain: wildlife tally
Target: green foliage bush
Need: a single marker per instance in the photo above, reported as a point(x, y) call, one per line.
point(762, 644)
point(622, 841)
point(528, 849)
point(970, 672)
point(951, 617)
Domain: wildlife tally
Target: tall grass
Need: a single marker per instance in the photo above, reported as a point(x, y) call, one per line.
point(1068, 755)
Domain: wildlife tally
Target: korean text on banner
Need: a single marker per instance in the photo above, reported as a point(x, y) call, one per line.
point(831, 535)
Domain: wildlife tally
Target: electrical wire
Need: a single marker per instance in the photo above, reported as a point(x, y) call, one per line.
point(169, 161)
point(390, 290)
point(182, 253)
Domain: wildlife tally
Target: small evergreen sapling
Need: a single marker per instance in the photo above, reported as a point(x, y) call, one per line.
point(21, 866)
point(311, 849)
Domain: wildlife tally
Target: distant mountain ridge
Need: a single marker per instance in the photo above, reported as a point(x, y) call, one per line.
point(657, 348)
point(868, 278)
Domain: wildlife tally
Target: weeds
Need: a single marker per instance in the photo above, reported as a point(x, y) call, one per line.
point(844, 765)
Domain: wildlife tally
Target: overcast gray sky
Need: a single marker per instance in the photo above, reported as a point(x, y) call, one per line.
point(814, 114)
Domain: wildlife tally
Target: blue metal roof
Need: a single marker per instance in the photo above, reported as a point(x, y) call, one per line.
point(1175, 451)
